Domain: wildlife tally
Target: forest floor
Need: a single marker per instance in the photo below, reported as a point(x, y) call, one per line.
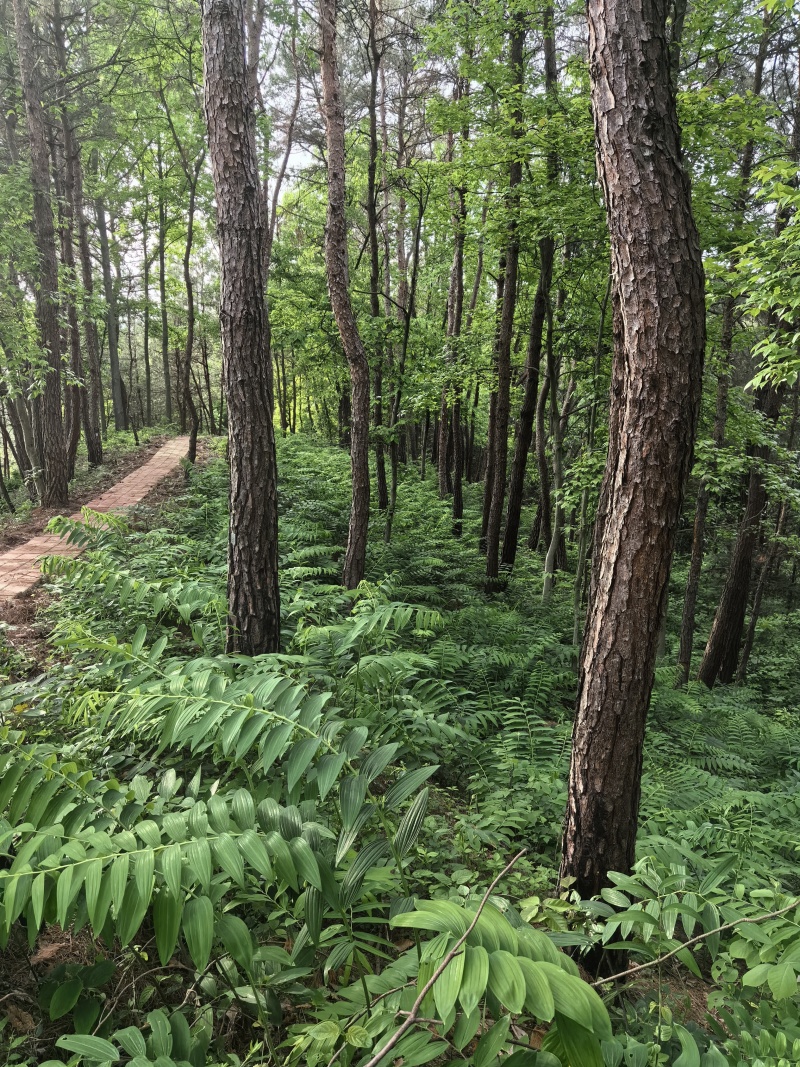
point(151, 473)
point(89, 483)
point(19, 564)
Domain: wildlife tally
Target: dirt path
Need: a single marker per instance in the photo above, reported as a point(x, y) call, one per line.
point(19, 566)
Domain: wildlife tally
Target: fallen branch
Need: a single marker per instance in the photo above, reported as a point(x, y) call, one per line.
point(694, 941)
point(413, 1016)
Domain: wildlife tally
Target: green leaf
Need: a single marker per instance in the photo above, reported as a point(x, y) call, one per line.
point(410, 825)
point(506, 980)
point(580, 1044)
point(65, 997)
point(569, 995)
point(407, 784)
point(198, 927)
point(172, 868)
point(94, 1049)
point(329, 767)
point(466, 1028)
point(131, 1041)
point(160, 1033)
point(167, 913)
point(492, 1042)
point(538, 997)
point(782, 981)
point(757, 975)
point(301, 756)
point(448, 984)
point(243, 809)
point(254, 851)
point(690, 1053)
point(229, 858)
point(475, 977)
point(713, 1057)
point(236, 938)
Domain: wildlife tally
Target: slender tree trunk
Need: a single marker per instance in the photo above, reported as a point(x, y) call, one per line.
point(499, 442)
point(338, 272)
point(53, 451)
point(253, 594)
point(112, 319)
point(659, 340)
point(94, 440)
point(148, 379)
point(524, 434)
point(721, 654)
point(723, 375)
point(758, 596)
point(162, 283)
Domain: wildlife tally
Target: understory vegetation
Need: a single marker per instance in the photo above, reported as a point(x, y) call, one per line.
point(218, 859)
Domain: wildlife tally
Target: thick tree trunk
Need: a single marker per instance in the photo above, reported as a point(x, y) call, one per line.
point(253, 594)
point(659, 334)
point(53, 450)
point(338, 271)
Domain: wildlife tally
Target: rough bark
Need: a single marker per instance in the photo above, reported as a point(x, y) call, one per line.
point(338, 273)
point(253, 594)
point(659, 340)
point(51, 429)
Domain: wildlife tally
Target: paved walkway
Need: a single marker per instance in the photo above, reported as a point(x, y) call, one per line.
point(19, 566)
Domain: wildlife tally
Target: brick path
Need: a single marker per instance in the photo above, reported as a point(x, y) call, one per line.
point(19, 566)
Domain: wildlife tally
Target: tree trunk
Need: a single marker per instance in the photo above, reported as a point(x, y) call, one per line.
point(723, 377)
point(54, 453)
point(112, 319)
point(721, 654)
point(524, 434)
point(94, 440)
point(659, 339)
point(162, 283)
point(499, 442)
point(338, 272)
point(253, 594)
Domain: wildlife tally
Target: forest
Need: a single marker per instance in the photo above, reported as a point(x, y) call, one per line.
point(435, 704)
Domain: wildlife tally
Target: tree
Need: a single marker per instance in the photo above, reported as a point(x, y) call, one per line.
point(51, 427)
point(338, 273)
point(659, 338)
point(253, 594)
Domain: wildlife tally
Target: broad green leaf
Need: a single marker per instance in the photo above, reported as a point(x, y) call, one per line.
point(236, 938)
point(782, 981)
point(172, 868)
point(492, 1042)
point(94, 1049)
point(167, 913)
point(65, 997)
point(580, 1044)
point(410, 825)
point(131, 1041)
point(690, 1053)
point(229, 858)
point(198, 928)
point(538, 997)
point(475, 977)
point(506, 981)
point(448, 984)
